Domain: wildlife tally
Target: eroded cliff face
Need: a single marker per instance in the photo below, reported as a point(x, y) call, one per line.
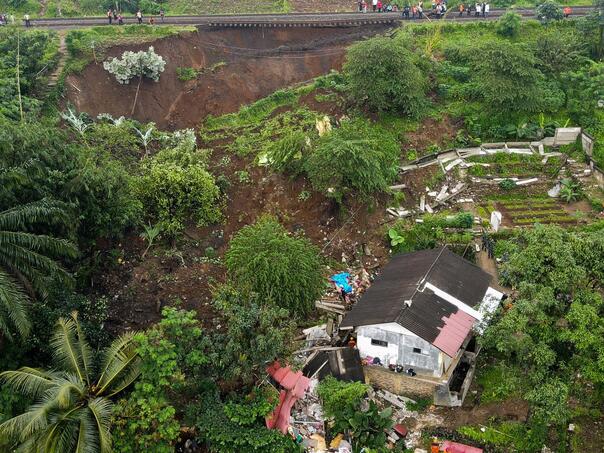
point(237, 66)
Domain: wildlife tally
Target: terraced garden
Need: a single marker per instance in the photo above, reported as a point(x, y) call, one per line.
point(504, 165)
point(527, 211)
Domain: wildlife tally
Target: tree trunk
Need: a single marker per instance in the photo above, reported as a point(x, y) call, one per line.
point(136, 95)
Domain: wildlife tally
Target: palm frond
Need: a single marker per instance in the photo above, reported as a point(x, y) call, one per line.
point(13, 303)
point(68, 391)
point(43, 210)
point(39, 243)
point(27, 425)
point(66, 346)
point(120, 365)
point(101, 409)
point(29, 381)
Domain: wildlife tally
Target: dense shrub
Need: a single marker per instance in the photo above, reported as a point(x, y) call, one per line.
point(509, 24)
point(357, 157)
point(384, 76)
point(287, 152)
point(44, 164)
point(342, 402)
point(276, 265)
point(256, 333)
point(225, 431)
point(173, 191)
point(505, 78)
point(549, 11)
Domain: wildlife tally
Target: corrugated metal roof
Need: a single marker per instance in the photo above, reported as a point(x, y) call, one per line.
point(429, 316)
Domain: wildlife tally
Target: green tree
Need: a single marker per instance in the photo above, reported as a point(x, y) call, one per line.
point(509, 24)
point(549, 11)
point(42, 162)
point(28, 260)
point(256, 333)
point(357, 158)
point(73, 403)
point(547, 259)
point(383, 75)
point(172, 192)
point(277, 266)
point(173, 357)
point(505, 79)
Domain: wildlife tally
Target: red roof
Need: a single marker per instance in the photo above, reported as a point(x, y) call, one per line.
point(454, 331)
point(454, 447)
point(294, 385)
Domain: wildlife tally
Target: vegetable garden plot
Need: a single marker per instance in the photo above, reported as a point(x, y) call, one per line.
point(526, 212)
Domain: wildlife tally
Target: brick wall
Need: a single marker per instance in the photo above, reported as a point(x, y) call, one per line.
point(398, 383)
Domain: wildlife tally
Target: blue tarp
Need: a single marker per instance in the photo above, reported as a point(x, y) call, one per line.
point(342, 281)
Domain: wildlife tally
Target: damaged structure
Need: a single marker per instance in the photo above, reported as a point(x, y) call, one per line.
point(415, 325)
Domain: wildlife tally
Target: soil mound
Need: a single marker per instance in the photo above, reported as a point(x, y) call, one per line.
point(235, 67)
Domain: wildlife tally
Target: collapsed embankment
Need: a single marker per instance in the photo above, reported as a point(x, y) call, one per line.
point(236, 67)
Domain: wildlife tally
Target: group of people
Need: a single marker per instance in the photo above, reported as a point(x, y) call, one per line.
point(416, 11)
point(6, 19)
point(118, 18)
point(377, 6)
point(478, 9)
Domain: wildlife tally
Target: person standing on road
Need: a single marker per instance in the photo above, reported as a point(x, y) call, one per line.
point(379, 6)
point(487, 9)
point(139, 17)
point(478, 10)
point(406, 12)
point(460, 8)
point(567, 11)
point(482, 8)
point(161, 15)
point(27, 21)
point(420, 11)
point(374, 5)
point(110, 16)
point(120, 19)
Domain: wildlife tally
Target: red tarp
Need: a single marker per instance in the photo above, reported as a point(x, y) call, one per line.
point(294, 384)
point(454, 447)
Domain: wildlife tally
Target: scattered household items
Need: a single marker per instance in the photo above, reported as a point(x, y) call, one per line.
point(420, 315)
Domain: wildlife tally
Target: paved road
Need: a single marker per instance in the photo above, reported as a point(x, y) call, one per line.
point(279, 20)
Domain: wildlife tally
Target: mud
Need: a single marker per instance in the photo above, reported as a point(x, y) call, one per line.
point(237, 66)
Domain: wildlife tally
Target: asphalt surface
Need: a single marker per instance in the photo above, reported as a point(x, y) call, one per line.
point(271, 20)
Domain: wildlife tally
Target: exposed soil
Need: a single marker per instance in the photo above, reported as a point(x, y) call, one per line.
point(257, 62)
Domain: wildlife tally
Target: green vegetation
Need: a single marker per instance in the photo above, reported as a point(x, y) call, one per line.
point(384, 76)
point(73, 405)
point(185, 74)
point(173, 192)
point(504, 165)
point(409, 236)
point(357, 158)
point(554, 323)
point(277, 266)
point(342, 403)
point(130, 197)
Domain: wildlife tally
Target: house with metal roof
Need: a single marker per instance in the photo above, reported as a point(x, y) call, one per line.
point(420, 314)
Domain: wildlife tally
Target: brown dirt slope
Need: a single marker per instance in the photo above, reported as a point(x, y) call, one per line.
point(238, 66)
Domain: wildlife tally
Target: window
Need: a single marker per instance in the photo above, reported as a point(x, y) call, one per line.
point(379, 342)
point(417, 350)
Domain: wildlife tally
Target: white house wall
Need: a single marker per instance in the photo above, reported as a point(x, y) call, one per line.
point(399, 350)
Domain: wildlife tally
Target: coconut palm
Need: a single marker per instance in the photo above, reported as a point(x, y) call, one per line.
point(27, 260)
point(72, 407)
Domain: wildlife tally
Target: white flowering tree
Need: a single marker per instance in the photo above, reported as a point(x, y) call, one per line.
point(136, 64)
